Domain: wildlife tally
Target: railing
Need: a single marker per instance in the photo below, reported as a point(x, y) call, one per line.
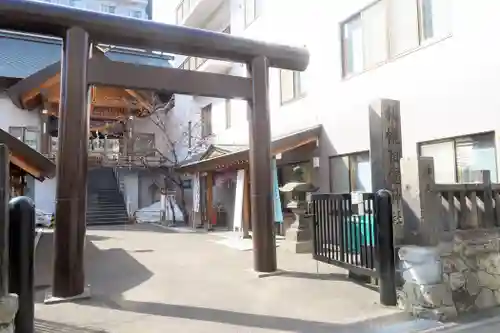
point(194, 63)
point(120, 161)
point(344, 233)
point(470, 205)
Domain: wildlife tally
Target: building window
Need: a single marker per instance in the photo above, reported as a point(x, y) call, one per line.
point(110, 9)
point(28, 135)
point(206, 121)
point(75, 3)
point(228, 113)
point(136, 14)
point(350, 173)
point(252, 9)
point(387, 29)
point(144, 143)
point(292, 85)
point(459, 160)
point(434, 18)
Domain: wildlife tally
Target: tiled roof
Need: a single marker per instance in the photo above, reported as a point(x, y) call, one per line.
point(22, 55)
point(138, 57)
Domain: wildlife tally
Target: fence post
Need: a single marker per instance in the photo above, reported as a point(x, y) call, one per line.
point(21, 280)
point(385, 248)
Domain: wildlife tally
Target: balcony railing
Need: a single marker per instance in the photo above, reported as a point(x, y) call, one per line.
point(184, 9)
point(108, 153)
point(194, 63)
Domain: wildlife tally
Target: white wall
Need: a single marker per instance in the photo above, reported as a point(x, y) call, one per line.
point(446, 89)
point(276, 25)
point(131, 182)
point(45, 195)
point(10, 115)
point(220, 19)
point(123, 7)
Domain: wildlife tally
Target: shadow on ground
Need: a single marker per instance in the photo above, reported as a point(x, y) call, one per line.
point(44, 326)
point(109, 271)
point(324, 277)
point(394, 323)
point(113, 271)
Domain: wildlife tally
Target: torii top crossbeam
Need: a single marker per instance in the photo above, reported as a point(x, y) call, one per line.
point(40, 18)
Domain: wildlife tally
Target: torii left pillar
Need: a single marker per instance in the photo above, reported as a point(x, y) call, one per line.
point(71, 193)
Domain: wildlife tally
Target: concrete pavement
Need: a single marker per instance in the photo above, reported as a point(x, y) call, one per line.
point(149, 279)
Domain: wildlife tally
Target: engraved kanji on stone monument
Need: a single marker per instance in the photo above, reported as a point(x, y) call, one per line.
point(386, 153)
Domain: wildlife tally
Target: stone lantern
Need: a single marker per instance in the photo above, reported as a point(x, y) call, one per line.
point(298, 237)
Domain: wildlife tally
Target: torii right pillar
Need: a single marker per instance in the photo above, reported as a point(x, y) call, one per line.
point(261, 191)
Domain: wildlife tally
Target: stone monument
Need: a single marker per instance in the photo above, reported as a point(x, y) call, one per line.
point(298, 237)
point(8, 310)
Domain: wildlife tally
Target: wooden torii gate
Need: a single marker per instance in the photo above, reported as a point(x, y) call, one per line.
point(79, 29)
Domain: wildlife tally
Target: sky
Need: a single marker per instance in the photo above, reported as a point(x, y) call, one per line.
point(164, 10)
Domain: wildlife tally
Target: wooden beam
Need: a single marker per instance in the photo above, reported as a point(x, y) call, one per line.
point(99, 103)
point(145, 104)
point(35, 92)
point(143, 77)
point(26, 167)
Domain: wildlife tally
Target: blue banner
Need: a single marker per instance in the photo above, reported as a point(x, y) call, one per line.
point(278, 213)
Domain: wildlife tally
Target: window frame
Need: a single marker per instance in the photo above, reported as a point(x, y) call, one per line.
point(454, 140)
point(206, 122)
point(298, 91)
point(350, 157)
point(257, 11)
point(179, 8)
point(136, 13)
point(227, 111)
point(25, 129)
point(391, 56)
point(111, 8)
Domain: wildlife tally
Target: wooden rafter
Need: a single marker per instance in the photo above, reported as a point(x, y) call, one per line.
point(49, 92)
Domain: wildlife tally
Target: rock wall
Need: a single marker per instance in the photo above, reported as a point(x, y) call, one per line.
point(468, 276)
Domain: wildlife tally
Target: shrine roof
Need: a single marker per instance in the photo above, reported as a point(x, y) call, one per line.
point(28, 159)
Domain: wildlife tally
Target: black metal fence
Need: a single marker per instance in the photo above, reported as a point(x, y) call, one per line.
point(357, 236)
point(344, 234)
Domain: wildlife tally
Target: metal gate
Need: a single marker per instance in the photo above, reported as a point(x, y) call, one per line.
point(345, 233)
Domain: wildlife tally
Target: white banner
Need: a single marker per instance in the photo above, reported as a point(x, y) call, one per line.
point(238, 201)
point(196, 192)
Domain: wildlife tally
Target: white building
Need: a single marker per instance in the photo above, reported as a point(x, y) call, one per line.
point(437, 57)
point(133, 8)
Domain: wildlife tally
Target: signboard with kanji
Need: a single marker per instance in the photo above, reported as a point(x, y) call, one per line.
point(386, 153)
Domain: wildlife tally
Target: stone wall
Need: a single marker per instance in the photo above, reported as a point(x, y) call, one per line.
point(456, 277)
point(8, 310)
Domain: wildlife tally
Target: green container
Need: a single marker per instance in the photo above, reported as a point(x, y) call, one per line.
point(360, 232)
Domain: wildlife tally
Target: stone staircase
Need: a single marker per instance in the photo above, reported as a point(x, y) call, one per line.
point(105, 204)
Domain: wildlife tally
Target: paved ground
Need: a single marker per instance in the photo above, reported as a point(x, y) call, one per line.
point(148, 279)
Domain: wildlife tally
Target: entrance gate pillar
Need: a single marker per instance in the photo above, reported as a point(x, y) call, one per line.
point(261, 191)
point(71, 192)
